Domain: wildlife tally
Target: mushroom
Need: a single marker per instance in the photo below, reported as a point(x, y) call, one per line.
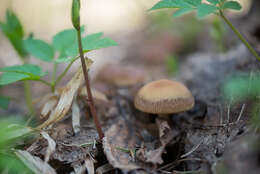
point(121, 76)
point(97, 95)
point(163, 97)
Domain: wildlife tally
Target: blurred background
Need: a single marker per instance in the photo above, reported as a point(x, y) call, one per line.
point(155, 38)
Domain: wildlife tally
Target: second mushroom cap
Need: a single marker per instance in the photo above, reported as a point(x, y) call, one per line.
point(164, 97)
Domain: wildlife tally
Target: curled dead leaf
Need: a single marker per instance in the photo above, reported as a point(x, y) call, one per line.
point(117, 147)
point(65, 100)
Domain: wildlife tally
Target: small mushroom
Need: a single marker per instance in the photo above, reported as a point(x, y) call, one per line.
point(97, 95)
point(163, 97)
point(121, 76)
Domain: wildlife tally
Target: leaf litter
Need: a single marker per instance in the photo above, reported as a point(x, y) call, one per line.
point(189, 142)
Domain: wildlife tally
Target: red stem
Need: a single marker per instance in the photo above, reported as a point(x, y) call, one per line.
point(90, 100)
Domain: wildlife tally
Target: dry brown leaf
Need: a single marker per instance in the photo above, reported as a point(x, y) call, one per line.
point(65, 101)
point(166, 133)
point(104, 168)
point(51, 146)
point(50, 103)
point(118, 142)
point(34, 163)
point(81, 168)
point(75, 116)
point(154, 156)
point(89, 164)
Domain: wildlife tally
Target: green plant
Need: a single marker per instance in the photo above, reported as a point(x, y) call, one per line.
point(63, 43)
point(204, 9)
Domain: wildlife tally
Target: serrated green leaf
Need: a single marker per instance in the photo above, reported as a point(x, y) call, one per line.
point(4, 102)
point(171, 4)
point(20, 72)
point(182, 11)
point(234, 5)
point(194, 3)
point(39, 49)
point(91, 42)
point(64, 39)
point(94, 42)
point(13, 24)
point(205, 10)
point(13, 30)
point(214, 2)
point(29, 69)
point(11, 77)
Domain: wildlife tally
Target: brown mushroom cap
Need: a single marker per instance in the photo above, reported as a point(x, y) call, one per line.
point(121, 75)
point(164, 97)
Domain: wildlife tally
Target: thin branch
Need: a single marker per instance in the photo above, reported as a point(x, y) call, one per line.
point(90, 100)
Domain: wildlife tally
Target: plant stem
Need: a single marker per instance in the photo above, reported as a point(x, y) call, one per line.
point(44, 82)
point(250, 48)
point(27, 90)
point(28, 96)
point(59, 78)
point(90, 100)
point(54, 72)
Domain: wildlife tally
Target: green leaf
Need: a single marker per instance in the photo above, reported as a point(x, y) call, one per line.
point(205, 10)
point(214, 2)
point(182, 11)
point(20, 72)
point(4, 102)
point(94, 42)
point(234, 5)
point(29, 69)
point(9, 130)
point(11, 77)
point(171, 4)
point(13, 30)
point(64, 60)
point(91, 42)
point(193, 2)
point(39, 49)
point(13, 24)
point(63, 41)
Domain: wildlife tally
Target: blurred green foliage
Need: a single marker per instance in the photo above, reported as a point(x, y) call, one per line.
point(241, 87)
point(244, 87)
point(172, 65)
point(186, 28)
point(4, 102)
point(217, 33)
point(13, 30)
point(12, 133)
point(203, 9)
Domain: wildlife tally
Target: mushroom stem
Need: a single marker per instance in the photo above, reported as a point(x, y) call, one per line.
point(165, 117)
